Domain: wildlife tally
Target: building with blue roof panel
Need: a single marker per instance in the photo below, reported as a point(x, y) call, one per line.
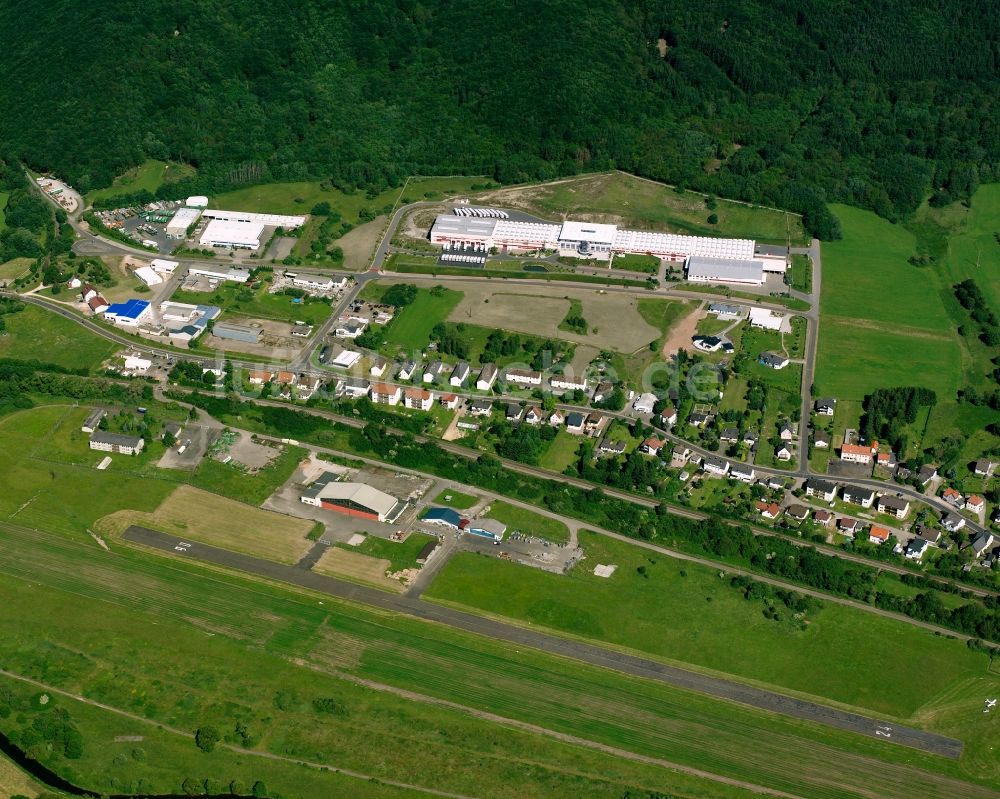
point(445, 517)
point(129, 313)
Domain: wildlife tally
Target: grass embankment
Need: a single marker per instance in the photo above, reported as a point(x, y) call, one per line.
point(414, 264)
point(148, 176)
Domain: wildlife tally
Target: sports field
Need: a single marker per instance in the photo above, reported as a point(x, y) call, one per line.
point(522, 520)
point(688, 613)
point(628, 200)
point(37, 334)
point(883, 319)
point(206, 676)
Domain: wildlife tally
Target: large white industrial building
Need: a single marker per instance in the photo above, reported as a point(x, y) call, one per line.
point(267, 220)
point(231, 233)
point(716, 257)
point(177, 227)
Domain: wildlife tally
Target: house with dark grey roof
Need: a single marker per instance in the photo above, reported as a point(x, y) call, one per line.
point(116, 442)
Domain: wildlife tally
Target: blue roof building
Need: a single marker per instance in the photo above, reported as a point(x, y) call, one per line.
point(127, 313)
point(446, 517)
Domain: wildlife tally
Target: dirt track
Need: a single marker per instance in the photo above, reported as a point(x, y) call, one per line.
point(588, 653)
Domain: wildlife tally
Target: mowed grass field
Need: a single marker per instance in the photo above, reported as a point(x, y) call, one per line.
point(38, 334)
point(258, 303)
point(127, 605)
point(525, 521)
point(684, 612)
point(412, 326)
point(148, 176)
point(628, 200)
point(883, 320)
point(211, 519)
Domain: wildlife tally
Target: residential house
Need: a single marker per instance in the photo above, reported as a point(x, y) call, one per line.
point(557, 419)
point(783, 453)
point(697, 419)
point(480, 408)
point(487, 377)
point(433, 371)
point(821, 488)
point(379, 367)
point(785, 432)
point(730, 435)
point(512, 412)
point(668, 417)
point(821, 439)
point(652, 446)
point(259, 377)
point(603, 391)
point(926, 474)
point(984, 468)
point(848, 527)
point(885, 459)
point(574, 423)
point(352, 327)
point(523, 377)
point(878, 535)
point(407, 370)
point(929, 534)
point(916, 548)
point(593, 423)
point(725, 311)
point(822, 517)
point(773, 360)
point(855, 453)
point(284, 378)
point(894, 506)
point(609, 447)
point(356, 387)
point(983, 544)
point(798, 512)
point(644, 403)
point(419, 398)
point(460, 374)
point(449, 401)
point(385, 394)
point(826, 406)
point(953, 497)
point(750, 438)
point(975, 503)
point(769, 510)
point(952, 522)
point(564, 382)
point(713, 465)
point(742, 471)
point(865, 497)
point(534, 415)
point(308, 385)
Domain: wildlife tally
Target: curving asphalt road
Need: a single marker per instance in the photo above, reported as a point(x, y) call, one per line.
point(577, 650)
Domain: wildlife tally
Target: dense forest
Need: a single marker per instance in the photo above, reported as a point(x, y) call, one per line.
point(870, 102)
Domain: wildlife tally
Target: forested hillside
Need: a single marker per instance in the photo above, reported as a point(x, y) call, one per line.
point(791, 102)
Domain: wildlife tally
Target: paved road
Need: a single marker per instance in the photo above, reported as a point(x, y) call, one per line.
point(809, 365)
point(520, 636)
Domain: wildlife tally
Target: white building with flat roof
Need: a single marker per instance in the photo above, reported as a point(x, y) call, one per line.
point(266, 220)
point(766, 318)
point(197, 201)
point(177, 227)
point(702, 269)
point(231, 233)
point(587, 239)
point(220, 273)
point(163, 266)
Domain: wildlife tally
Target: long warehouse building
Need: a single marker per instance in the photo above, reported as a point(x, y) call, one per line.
point(593, 240)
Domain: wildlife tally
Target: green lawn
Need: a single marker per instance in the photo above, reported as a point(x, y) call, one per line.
point(299, 198)
point(36, 333)
point(662, 314)
point(456, 499)
point(529, 522)
point(632, 201)
point(230, 480)
point(685, 612)
point(148, 176)
point(637, 263)
point(236, 300)
point(883, 319)
point(16, 268)
point(400, 554)
point(561, 452)
point(801, 273)
point(411, 328)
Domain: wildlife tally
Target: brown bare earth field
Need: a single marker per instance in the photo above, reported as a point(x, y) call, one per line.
point(337, 562)
point(359, 244)
point(13, 781)
point(682, 332)
point(538, 310)
point(211, 519)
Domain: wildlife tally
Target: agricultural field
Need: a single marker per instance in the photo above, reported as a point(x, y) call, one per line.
point(297, 696)
point(211, 519)
point(529, 522)
point(239, 300)
point(148, 176)
point(687, 613)
point(630, 201)
point(38, 334)
point(411, 328)
point(883, 319)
